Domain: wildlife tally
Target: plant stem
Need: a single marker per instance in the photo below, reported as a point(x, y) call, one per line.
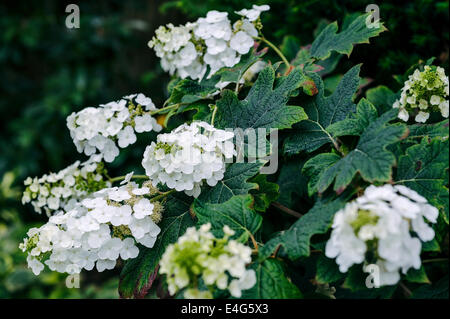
point(434, 260)
point(255, 244)
point(167, 108)
point(120, 178)
point(213, 116)
point(287, 210)
point(405, 289)
point(273, 46)
point(162, 195)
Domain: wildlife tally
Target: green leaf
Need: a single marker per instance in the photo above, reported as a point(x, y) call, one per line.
point(355, 124)
point(370, 158)
point(237, 213)
point(315, 169)
point(329, 40)
point(327, 270)
point(438, 290)
point(381, 97)
point(291, 182)
point(432, 245)
point(271, 282)
point(439, 130)
point(233, 183)
point(296, 240)
point(289, 47)
point(265, 105)
point(323, 111)
point(417, 276)
point(202, 110)
point(190, 91)
point(235, 73)
point(423, 168)
point(265, 194)
point(138, 274)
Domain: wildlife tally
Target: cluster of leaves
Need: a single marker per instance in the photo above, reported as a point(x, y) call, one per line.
point(332, 146)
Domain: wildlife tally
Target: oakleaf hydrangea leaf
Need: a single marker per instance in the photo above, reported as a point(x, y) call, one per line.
point(266, 193)
point(370, 157)
point(315, 169)
point(439, 130)
point(233, 183)
point(327, 270)
point(237, 213)
point(323, 111)
point(417, 275)
point(423, 169)
point(292, 182)
point(271, 282)
point(138, 274)
point(330, 40)
point(438, 290)
point(295, 241)
point(355, 124)
point(381, 97)
point(190, 91)
point(265, 105)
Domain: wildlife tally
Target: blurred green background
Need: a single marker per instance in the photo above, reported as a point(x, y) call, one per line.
point(49, 71)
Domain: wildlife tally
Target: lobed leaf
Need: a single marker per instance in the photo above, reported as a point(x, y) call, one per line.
point(233, 183)
point(237, 213)
point(323, 111)
point(330, 40)
point(370, 158)
point(265, 105)
point(296, 240)
point(423, 168)
point(271, 282)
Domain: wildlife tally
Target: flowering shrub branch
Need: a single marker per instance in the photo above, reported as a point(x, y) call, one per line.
point(363, 188)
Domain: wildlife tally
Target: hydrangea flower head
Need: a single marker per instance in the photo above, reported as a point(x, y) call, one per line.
point(189, 155)
point(381, 222)
point(199, 255)
point(424, 92)
point(63, 189)
point(95, 131)
point(210, 41)
point(97, 231)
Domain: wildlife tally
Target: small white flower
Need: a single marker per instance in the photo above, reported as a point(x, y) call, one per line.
point(105, 264)
point(241, 42)
point(126, 137)
point(142, 208)
point(122, 215)
point(422, 117)
point(129, 249)
point(127, 178)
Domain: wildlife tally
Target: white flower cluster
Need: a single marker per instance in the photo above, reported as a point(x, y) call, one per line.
point(187, 156)
point(95, 130)
point(210, 41)
point(97, 231)
point(381, 222)
point(62, 190)
point(424, 92)
point(199, 255)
